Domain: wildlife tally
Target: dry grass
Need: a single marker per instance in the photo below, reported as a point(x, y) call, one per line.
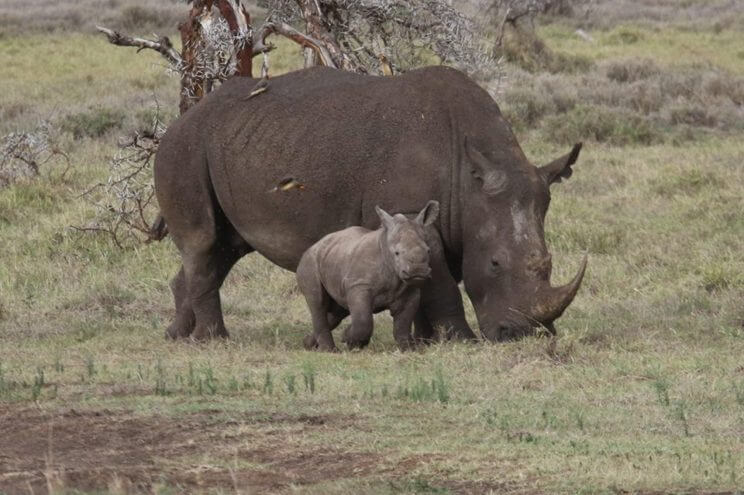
point(643, 390)
point(625, 100)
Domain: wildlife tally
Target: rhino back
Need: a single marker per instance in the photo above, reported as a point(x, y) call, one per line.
point(352, 141)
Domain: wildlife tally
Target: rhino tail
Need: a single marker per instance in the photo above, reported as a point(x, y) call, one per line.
point(159, 229)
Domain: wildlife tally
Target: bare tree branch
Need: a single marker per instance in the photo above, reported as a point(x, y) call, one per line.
point(162, 45)
point(301, 39)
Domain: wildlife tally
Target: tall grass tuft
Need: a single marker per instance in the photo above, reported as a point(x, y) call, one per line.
point(308, 376)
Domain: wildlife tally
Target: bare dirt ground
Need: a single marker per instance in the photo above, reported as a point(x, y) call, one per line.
point(120, 451)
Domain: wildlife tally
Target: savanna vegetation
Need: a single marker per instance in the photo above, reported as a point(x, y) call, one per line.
point(642, 390)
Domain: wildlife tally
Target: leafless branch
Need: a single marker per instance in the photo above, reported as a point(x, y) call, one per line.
point(301, 39)
point(125, 201)
point(162, 45)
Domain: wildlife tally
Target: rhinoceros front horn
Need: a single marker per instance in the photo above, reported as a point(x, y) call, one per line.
point(553, 301)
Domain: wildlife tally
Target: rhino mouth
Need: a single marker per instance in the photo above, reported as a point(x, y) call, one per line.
point(416, 276)
point(416, 279)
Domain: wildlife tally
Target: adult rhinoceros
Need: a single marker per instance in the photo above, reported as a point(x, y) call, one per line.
point(350, 142)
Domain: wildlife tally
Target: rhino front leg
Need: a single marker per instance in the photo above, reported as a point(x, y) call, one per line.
point(403, 313)
point(441, 301)
point(358, 334)
point(441, 308)
point(334, 316)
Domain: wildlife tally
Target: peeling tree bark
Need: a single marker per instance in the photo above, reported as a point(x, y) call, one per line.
point(192, 86)
point(195, 85)
point(239, 21)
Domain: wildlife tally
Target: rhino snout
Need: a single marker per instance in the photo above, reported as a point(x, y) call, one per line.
point(415, 274)
point(514, 330)
point(506, 331)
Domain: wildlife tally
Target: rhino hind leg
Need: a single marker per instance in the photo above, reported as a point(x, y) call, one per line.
point(183, 324)
point(207, 254)
point(320, 304)
point(334, 316)
point(207, 272)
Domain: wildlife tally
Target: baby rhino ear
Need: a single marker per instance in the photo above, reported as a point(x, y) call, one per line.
point(429, 214)
point(385, 218)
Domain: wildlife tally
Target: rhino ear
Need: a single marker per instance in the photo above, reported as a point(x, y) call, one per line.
point(429, 214)
point(560, 169)
point(491, 179)
point(385, 218)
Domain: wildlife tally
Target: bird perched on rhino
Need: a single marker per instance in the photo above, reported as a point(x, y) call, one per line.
point(385, 65)
point(259, 88)
point(288, 184)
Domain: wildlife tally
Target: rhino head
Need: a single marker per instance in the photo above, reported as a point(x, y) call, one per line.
point(403, 243)
point(506, 264)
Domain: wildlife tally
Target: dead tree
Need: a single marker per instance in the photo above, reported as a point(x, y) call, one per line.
point(367, 36)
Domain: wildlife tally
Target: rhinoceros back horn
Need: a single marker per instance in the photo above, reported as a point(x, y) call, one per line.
point(553, 301)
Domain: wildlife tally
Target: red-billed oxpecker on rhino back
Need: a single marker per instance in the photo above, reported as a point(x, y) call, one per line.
point(352, 142)
point(360, 272)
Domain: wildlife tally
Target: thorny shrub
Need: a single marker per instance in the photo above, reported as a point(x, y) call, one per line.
point(125, 203)
point(24, 154)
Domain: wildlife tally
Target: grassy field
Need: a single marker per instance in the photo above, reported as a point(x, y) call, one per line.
point(642, 390)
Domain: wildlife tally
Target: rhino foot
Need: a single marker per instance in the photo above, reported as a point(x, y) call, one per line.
point(181, 328)
point(203, 334)
point(405, 345)
point(310, 343)
point(352, 343)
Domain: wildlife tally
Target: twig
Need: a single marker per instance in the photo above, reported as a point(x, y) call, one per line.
point(162, 45)
point(300, 38)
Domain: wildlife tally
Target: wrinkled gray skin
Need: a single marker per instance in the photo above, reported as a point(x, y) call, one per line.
point(360, 272)
point(353, 142)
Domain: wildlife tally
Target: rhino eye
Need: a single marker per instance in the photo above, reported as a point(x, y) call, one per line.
point(495, 263)
point(397, 253)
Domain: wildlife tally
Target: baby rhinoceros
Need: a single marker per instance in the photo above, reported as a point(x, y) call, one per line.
point(360, 272)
